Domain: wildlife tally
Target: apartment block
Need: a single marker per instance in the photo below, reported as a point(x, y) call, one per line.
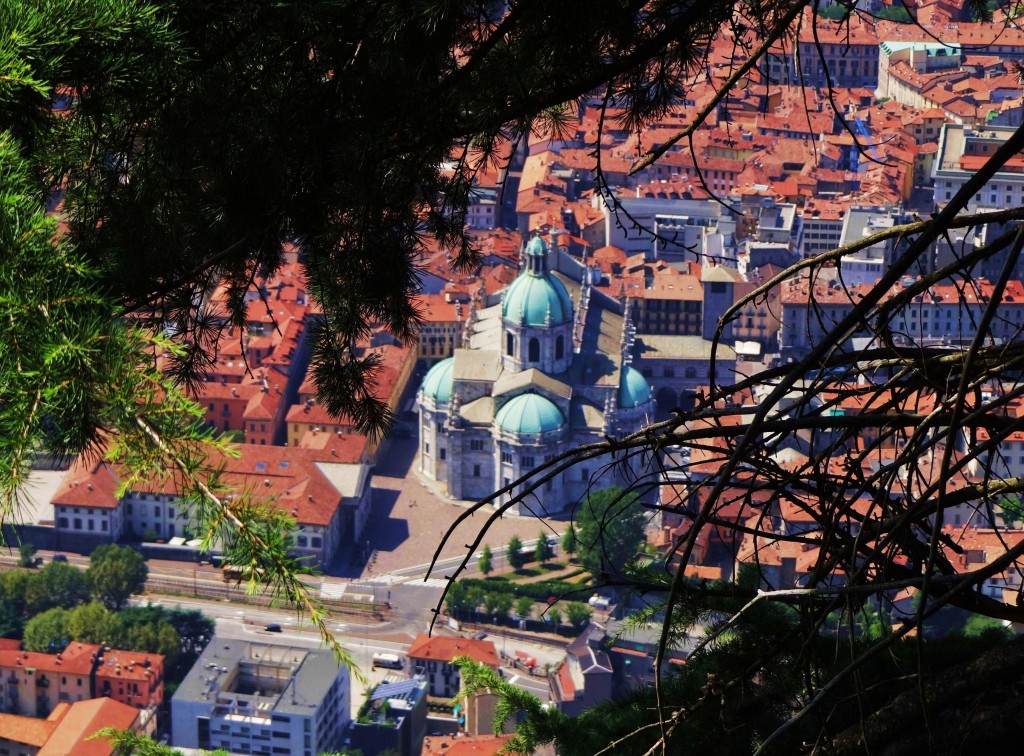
point(262, 698)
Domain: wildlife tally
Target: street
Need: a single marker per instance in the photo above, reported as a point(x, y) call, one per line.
point(361, 641)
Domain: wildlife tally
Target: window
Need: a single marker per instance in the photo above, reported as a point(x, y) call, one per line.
point(426, 447)
point(476, 444)
point(559, 347)
point(476, 471)
point(527, 462)
point(128, 508)
point(510, 344)
point(104, 524)
point(691, 372)
point(534, 350)
point(506, 457)
point(62, 522)
point(316, 542)
point(301, 540)
point(442, 453)
point(78, 523)
point(156, 511)
point(92, 525)
point(170, 513)
point(584, 474)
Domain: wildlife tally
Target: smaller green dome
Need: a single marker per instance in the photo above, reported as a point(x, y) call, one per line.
point(536, 247)
point(633, 389)
point(437, 383)
point(529, 413)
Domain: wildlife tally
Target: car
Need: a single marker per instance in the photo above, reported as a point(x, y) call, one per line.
point(59, 558)
point(479, 636)
point(273, 628)
point(388, 661)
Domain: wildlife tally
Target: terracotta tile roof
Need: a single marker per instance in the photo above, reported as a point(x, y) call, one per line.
point(130, 665)
point(26, 730)
point(82, 720)
point(76, 659)
point(89, 482)
point(445, 648)
point(476, 745)
point(288, 477)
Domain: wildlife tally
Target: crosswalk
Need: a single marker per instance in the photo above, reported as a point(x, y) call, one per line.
point(405, 580)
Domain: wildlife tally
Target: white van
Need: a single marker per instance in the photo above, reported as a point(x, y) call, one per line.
point(388, 661)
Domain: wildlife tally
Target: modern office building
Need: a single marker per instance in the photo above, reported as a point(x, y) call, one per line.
point(262, 698)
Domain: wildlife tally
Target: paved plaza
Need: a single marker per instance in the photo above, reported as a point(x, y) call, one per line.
point(410, 516)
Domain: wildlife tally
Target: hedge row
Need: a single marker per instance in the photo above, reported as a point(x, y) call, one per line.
point(541, 591)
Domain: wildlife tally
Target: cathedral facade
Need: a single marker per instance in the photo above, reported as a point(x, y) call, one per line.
point(544, 368)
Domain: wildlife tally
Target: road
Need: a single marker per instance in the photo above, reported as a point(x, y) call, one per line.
point(361, 641)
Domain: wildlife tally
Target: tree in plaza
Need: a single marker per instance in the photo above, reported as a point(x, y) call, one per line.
point(524, 607)
point(26, 555)
point(578, 614)
point(116, 573)
point(58, 584)
point(48, 631)
point(569, 540)
point(610, 528)
point(492, 602)
point(461, 599)
point(503, 603)
point(486, 561)
point(542, 551)
point(554, 614)
point(514, 551)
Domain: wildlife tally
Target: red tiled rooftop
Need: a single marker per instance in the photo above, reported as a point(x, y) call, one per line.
point(445, 648)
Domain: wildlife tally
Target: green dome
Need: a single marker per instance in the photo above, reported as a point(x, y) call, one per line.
point(633, 389)
point(532, 298)
point(536, 246)
point(437, 383)
point(529, 413)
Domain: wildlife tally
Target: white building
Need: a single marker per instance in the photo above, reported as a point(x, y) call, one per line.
point(262, 698)
point(962, 151)
point(329, 500)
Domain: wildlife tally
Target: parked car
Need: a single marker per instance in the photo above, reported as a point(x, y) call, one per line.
point(273, 628)
point(59, 558)
point(388, 661)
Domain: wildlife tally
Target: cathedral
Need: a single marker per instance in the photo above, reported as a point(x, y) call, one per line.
point(545, 367)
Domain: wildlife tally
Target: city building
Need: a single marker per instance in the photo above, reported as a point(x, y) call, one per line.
point(131, 677)
point(68, 729)
point(328, 498)
point(393, 718)
point(584, 678)
point(262, 698)
point(34, 684)
point(430, 657)
point(544, 370)
point(962, 151)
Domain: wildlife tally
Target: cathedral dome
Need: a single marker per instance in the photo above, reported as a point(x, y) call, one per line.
point(633, 389)
point(536, 298)
point(437, 384)
point(529, 414)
